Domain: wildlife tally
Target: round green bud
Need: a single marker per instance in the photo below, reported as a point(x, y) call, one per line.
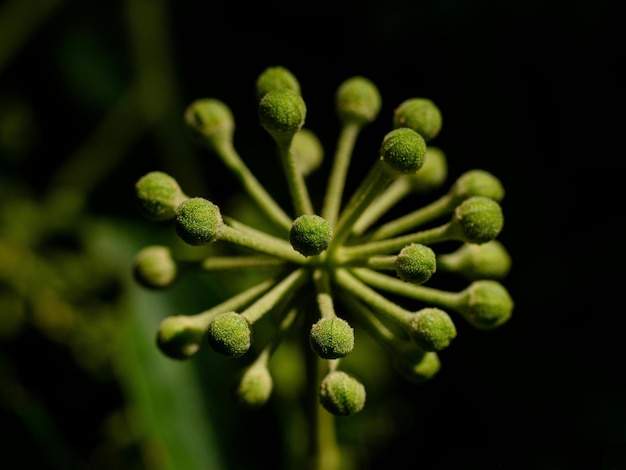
point(486, 304)
point(332, 338)
point(198, 221)
point(431, 329)
point(415, 364)
point(209, 118)
point(358, 100)
point(477, 183)
point(229, 334)
point(178, 337)
point(341, 394)
point(310, 234)
point(307, 150)
point(479, 219)
point(158, 195)
point(276, 78)
point(282, 113)
point(255, 386)
point(154, 267)
point(489, 260)
point(403, 150)
point(433, 172)
point(416, 263)
point(419, 114)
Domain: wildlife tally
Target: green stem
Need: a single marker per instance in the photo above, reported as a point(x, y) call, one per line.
point(443, 299)
point(337, 178)
point(251, 185)
point(375, 181)
point(288, 286)
point(295, 180)
point(216, 263)
point(324, 297)
point(394, 193)
point(239, 234)
point(412, 220)
point(426, 237)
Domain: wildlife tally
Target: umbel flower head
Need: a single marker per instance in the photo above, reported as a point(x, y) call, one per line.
point(336, 267)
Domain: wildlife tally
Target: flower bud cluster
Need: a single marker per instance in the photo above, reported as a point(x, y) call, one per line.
point(338, 265)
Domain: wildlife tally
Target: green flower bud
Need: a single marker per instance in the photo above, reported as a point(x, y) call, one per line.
point(486, 304)
point(489, 260)
point(419, 114)
point(255, 386)
point(341, 394)
point(310, 234)
point(477, 183)
point(209, 119)
point(178, 337)
point(403, 150)
point(276, 78)
point(307, 150)
point(198, 221)
point(158, 195)
point(332, 338)
point(358, 100)
point(229, 334)
point(479, 219)
point(282, 113)
point(433, 172)
point(416, 263)
point(415, 364)
point(431, 329)
point(154, 267)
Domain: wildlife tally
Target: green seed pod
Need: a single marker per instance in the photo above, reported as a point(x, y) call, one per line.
point(357, 100)
point(178, 337)
point(282, 113)
point(479, 219)
point(198, 221)
point(310, 234)
point(419, 114)
point(415, 364)
point(433, 172)
point(431, 329)
point(403, 150)
point(307, 150)
point(255, 386)
point(341, 394)
point(486, 304)
point(332, 338)
point(416, 263)
point(489, 260)
point(210, 119)
point(276, 78)
point(158, 195)
point(477, 183)
point(229, 334)
point(154, 267)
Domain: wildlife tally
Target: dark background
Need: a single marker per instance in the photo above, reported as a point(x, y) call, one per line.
point(530, 91)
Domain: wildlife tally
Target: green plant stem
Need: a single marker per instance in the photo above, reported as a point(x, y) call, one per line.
point(372, 298)
point(217, 263)
point(336, 182)
point(324, 297)
point(394, 193)
point(375, 181)
point(288, 286)
point(250, 184)
point(412, 220)
point(295, 179)
point(444, 299)
point(244, 298)
point(393, 245)
point(242, 235)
